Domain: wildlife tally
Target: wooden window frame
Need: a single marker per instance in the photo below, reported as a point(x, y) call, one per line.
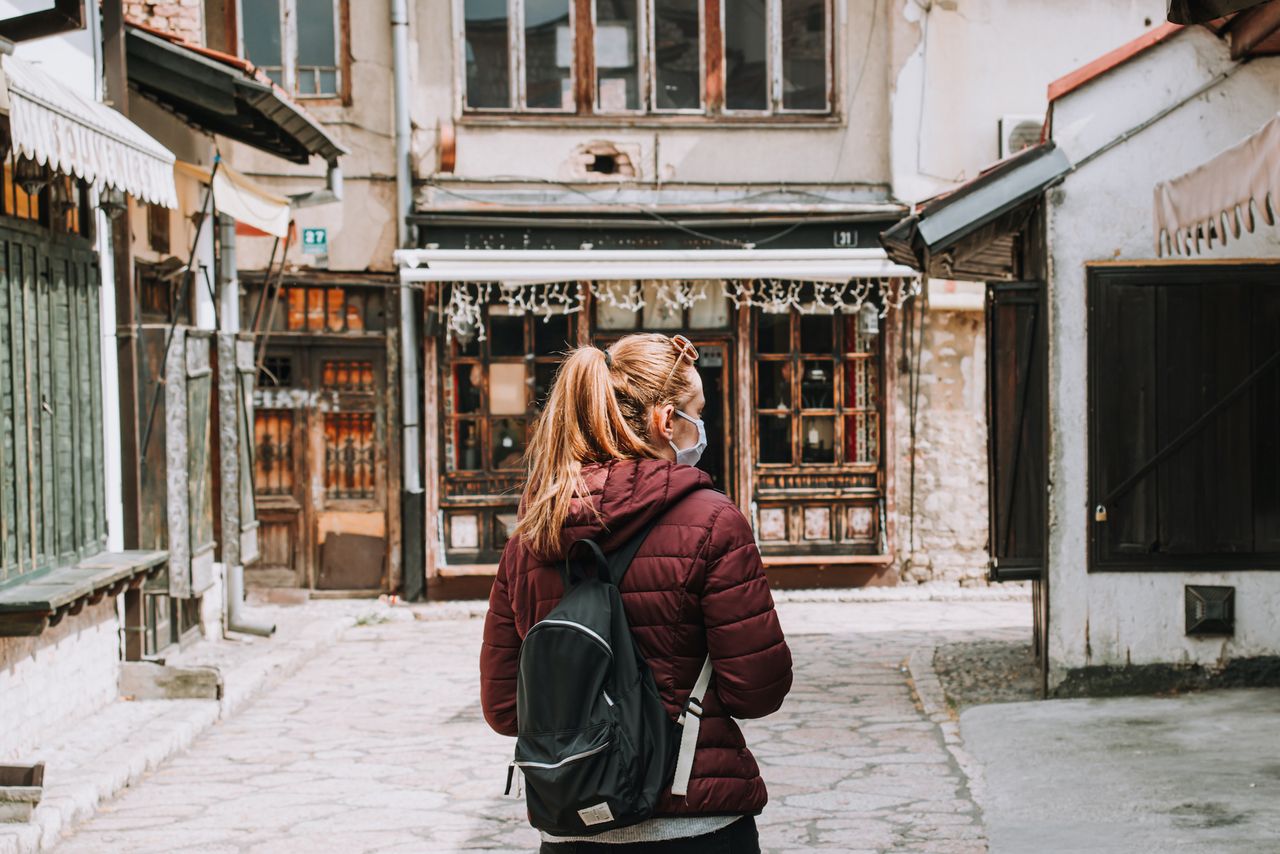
point(840, 410)
point(485, 492)
point(583, 72)
point(289, 49)
point(1155, 276)
point(482, 418)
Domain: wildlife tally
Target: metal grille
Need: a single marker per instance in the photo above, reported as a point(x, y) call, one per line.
point(349, 375)
point(273, 453)
point(349, 455)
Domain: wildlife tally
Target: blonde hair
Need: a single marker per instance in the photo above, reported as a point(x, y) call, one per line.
point(598, 411)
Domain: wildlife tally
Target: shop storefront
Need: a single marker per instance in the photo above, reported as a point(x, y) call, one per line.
point(794, 345)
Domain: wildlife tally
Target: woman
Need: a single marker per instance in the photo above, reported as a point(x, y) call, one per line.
point(614, 449)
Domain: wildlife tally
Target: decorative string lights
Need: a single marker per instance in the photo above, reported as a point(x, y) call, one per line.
point(463, 313)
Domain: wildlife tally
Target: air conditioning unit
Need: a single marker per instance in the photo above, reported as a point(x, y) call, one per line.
point(1019, 131)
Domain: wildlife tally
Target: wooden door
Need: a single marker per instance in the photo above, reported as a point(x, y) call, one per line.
point(320, 462)
point(347, 470)
point(1017, 450)
point(279, 459)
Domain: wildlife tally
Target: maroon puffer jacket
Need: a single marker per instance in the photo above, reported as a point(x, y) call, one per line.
point(695, 586)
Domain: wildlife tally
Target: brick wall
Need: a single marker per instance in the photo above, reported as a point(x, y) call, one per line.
point(183, 18)
point(950, 542)
point(49, 681)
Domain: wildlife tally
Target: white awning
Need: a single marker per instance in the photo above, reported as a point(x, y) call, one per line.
point(70, 133)
point(242, 199)
point(556, 265)
point(1219, 199)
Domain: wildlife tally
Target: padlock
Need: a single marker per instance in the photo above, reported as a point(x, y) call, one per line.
point(1100, 514)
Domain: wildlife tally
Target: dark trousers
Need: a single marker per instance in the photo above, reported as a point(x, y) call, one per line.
point(738, 838)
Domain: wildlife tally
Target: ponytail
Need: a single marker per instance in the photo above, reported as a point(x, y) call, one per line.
point(597, 411)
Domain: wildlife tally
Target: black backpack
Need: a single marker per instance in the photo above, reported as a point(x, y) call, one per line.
point(595, 744)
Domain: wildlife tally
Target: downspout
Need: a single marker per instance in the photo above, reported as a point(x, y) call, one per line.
point(412, 510)
point(232, 409)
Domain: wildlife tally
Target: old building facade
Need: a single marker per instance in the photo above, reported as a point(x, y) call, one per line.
point(854, 439)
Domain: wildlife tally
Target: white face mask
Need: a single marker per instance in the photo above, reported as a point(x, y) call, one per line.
point(690, 456)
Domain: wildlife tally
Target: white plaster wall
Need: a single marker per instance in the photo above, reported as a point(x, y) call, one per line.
point(1103, 212)
point(961, 69)
point(52, 680)
point(362, 229)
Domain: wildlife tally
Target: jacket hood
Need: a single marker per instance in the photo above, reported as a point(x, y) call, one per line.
point(624, 496)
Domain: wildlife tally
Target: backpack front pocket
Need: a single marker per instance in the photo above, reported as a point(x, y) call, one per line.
point(572, 778)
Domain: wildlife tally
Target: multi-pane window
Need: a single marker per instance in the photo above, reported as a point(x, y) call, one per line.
point(296, 43)
point(316, 309)
point(817, 390)
point(753, 57)
point(494, 388)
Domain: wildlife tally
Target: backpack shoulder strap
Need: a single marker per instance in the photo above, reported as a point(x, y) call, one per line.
point(620, 561)
point(690, 722)
point(610, 568)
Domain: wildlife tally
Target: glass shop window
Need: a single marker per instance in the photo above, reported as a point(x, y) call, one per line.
point(816, 390)
point(494, 388)
point(649, 56)
point(296, 43)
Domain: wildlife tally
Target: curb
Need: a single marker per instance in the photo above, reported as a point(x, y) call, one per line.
point(144, 735)
point(933, 702)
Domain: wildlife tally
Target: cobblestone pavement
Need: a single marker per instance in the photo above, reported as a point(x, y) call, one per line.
point(378, 746)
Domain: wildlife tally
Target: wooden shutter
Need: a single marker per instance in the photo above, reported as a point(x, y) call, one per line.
point(246, 375)
point(188, 446)
point(1017, 419)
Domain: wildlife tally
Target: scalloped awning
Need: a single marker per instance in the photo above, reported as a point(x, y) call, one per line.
point(66, 131)
point(1222, 198)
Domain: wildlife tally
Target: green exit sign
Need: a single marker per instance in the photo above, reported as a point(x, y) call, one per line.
point(315, 241)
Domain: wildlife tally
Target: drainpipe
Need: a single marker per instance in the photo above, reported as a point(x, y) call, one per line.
point(412, 523)
point(232, 411)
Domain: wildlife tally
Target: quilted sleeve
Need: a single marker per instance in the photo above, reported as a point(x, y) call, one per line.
point(499, 656)
point(751, 661)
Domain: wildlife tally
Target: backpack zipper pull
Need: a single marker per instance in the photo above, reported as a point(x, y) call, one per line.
point(512, 773)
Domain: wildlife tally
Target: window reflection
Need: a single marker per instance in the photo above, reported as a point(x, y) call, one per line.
point(548, 55)
point(487, 54)
point(746, 64)
point(817, 438)
point(804, 54)
point(617, 57)
point(775, 439)
point(509, 440)
point(677, 55)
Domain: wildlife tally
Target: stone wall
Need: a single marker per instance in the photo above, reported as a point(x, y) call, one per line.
point(950, 514)
point(46, 682)
point(183, 18)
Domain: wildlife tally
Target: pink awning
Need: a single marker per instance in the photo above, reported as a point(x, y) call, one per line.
point(1222, 198)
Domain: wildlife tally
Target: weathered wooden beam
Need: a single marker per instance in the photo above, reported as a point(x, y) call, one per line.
point(1252, 27)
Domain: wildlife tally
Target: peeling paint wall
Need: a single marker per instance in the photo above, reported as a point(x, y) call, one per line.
point(958, 67)
point(851, 149)
point(362, 228)
point(1103, 212)
point(950, 450)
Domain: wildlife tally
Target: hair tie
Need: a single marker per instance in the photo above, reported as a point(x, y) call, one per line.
point(608, 359)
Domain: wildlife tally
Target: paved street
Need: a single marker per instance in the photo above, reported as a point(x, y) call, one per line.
point(378, 745)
